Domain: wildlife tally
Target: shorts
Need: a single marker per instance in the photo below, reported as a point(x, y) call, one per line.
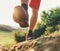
point(35, 4)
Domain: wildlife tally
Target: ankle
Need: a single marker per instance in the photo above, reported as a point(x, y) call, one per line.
point(30, 33)
point(25, 6)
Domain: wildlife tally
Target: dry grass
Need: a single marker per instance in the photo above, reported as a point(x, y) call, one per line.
point(50, 43)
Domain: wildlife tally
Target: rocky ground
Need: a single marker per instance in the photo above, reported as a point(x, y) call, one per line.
point(50, 44)
point(45, 43)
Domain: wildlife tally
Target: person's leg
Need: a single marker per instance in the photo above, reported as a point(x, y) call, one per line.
point(25, 1)
point(34, 4)
point(33, 21)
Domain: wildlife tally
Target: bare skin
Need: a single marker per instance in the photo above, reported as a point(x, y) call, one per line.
point(33, 19)
point(24, 1)
point(34, 16)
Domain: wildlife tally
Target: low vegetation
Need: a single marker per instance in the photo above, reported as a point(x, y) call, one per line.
point(47, 30)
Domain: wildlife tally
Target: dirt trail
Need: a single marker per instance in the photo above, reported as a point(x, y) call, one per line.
point(45, 43)
point(51, 43)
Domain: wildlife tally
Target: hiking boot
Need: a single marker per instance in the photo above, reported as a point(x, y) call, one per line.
point(29, 36)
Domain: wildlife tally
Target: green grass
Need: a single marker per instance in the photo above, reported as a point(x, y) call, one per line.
point(7, 38)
